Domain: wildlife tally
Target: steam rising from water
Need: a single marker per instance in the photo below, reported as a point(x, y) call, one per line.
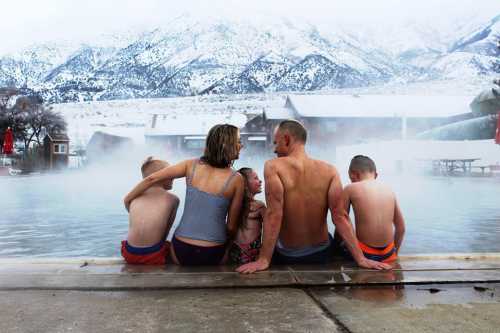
point(81, 213)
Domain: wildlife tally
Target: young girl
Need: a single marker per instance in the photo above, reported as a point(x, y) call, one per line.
point(247, 242)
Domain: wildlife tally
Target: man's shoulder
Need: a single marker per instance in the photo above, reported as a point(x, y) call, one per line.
point(324, 166)
point(275, 163)
point(278, 160)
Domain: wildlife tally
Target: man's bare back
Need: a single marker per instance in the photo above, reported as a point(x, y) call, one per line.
point(306, 183)
point(151, 216)
point(299, 192)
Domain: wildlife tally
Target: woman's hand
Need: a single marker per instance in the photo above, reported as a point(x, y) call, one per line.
point(171, 172)
point(127, 202)
point(257, 209)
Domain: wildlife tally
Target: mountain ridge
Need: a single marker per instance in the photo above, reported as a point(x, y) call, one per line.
point(189, 57)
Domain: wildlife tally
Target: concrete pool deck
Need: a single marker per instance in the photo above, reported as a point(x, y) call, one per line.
point(444, 293)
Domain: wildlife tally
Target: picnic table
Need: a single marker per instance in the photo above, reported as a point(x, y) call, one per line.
point(492, 168)
point(452, 166)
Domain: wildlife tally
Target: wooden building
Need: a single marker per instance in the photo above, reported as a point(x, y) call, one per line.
point(56, 151)
point(187, 132)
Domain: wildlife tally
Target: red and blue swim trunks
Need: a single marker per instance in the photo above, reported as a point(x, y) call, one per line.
point(382, 254)
point(152, 255)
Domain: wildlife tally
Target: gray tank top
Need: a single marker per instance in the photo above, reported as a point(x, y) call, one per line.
point(204, 216)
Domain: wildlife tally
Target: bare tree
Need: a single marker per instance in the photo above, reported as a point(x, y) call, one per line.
point(8, 116)
point(28, 117)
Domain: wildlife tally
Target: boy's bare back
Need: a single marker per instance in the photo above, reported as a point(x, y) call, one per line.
point(375, 210)
point(151, 216)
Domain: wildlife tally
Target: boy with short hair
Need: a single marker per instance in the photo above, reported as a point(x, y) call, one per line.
point(380, 226)
point(151, 216)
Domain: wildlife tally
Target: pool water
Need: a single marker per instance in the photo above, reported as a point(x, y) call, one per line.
point(81, 213)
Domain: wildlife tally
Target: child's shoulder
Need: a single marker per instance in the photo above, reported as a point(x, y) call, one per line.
point(172, 197)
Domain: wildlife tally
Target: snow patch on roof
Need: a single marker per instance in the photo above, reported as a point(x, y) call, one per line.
point(379, 106)
point(192, 124)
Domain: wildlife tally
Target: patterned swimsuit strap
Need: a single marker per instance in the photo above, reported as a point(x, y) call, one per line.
point(226, 184)
point(193, 170)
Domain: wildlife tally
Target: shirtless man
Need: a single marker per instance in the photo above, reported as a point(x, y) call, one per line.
point(299, 192)
point(380, 225)
point(151, 216)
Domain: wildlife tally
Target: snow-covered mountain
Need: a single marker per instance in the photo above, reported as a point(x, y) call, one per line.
point(474, 53)
point(191, 56)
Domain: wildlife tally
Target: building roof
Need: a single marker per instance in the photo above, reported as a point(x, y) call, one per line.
point(378, 106)
point(191, 124)
point(278, 113)
point(58, 136)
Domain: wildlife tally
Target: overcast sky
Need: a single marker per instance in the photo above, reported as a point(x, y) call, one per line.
point(24, 22)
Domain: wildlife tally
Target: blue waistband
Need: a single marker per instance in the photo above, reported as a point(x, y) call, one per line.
point(144, 250)
point(303, 251)
point(379, 257)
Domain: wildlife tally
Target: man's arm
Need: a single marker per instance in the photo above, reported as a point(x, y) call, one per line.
point(341, 201)
point(272, 219)
point(399, 227)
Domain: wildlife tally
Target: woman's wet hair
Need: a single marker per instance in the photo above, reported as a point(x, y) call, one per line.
point(221, 146)
point(247, 197)
point(362, 163)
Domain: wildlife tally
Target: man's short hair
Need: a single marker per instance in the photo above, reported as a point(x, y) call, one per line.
point(295, 129)
point(151, 165)
point(362, 163)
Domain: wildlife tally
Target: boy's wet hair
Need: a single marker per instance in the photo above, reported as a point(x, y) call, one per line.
point(151, 165)
point(362, 163)
point(245, 206)
point(295, 129)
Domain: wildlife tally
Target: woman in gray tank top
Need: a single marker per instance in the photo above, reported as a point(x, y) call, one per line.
point(214, 196)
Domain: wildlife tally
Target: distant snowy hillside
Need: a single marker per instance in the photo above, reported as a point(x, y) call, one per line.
point(191, 56)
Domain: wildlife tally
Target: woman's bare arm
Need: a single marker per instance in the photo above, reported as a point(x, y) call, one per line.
point(175, 171)
point(235, 207)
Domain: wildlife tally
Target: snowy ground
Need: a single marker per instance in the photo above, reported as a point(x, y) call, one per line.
point(130, 117)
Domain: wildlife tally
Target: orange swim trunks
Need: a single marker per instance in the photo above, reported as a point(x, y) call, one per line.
point(153, 255)
point(381, 254)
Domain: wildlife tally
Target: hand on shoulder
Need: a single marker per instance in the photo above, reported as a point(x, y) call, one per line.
point(257, 204)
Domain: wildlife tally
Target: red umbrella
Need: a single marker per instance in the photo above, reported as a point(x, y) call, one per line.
point(497, 135)
point(8, 142)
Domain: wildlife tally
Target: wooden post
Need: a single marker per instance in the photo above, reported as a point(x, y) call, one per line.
point(497, 134)
point(404, 128)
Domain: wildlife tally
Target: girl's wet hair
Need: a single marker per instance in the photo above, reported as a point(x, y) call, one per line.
point(221, 146)
point(245, 207)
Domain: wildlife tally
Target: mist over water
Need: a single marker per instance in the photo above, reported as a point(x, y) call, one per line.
point(81, 213)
